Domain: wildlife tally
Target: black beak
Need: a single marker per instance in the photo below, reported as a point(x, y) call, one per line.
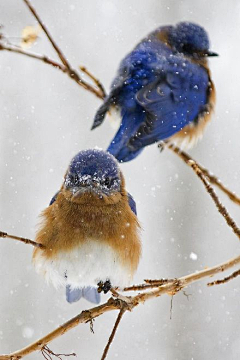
point(211, 53)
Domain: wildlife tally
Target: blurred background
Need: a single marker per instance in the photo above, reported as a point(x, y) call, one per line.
point(45, 120)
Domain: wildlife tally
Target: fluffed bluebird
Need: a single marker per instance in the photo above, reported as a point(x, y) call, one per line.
point(90, 229)
point(163, 91)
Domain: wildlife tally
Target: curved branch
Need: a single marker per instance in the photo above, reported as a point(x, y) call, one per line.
point(226, 279)
point(118, 304)
point(44, 58)
point(204, 178)
point(55, 46)
point(212, 178)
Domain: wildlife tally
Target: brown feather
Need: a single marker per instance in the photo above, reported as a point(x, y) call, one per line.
point(68, 224)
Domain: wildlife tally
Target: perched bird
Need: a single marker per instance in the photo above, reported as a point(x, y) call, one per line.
point(163, 91)
point(90, 229)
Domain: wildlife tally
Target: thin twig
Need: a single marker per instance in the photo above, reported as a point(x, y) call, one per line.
point(197, 169)
point(18, 50)
point(115, 304)
point(212, 178)
point(73, 74)
point(158, 281)
point(66, 68)
point(24, 240)
point(222, 210)
point(171, 307)
point(46, 31)
point(48, 353)
point(150, 284)
point(226, 279)
point(110, 340)
point(94, 79)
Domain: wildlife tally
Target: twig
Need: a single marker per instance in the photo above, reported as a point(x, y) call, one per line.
point(115, 304)
point(95, 80)
point(226, 279)
point(150, 284)
point(70, 71)
point(73, 74)
point(197, 169)
point(212, 178)
point(66, 67)
point(24, 240)
point(55, 46)
point(48, 353)
point(18, 50)
point(158, 281)
point(110, 340)
point(222, 210)
point(171, 307)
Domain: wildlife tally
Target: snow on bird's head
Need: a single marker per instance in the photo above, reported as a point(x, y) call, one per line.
point(189, 38)
point(94, 167)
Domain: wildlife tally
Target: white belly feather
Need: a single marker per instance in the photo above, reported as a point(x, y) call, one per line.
point(86, 265)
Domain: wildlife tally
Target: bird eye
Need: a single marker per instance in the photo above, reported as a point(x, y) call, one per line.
point(75, 179)
point(107, 181)
point(188, 49)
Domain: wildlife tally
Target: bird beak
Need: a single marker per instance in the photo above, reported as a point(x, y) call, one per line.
point(92, 187)
point(211, 53)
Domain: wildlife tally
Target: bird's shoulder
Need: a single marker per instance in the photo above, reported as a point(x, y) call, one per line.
point(153, 61)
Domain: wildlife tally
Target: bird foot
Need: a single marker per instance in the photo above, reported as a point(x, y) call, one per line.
point(104, 286)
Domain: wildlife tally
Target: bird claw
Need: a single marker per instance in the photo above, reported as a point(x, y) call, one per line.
point(104, 286)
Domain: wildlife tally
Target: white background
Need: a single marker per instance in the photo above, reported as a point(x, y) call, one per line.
point(45, 119)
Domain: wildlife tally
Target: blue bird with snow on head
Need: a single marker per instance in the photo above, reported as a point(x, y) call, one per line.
point(163, 91)
point(90, 230)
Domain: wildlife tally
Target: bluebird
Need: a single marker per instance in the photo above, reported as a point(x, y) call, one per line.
point(163, 91)
point(90, 230)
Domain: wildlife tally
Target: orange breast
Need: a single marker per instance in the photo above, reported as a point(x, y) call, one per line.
point(67, 225)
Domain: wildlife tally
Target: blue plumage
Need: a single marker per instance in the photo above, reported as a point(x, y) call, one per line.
point(132, 204)
point(88, 293)
point(161, 87)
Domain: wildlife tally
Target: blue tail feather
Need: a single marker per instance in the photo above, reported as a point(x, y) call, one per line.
point(88, 293)
point(119, 145)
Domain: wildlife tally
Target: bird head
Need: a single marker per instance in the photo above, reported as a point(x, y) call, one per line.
point(190, 39)
point(93, 176)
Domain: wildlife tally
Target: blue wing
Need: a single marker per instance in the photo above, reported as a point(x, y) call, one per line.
point(132, 204)
point(54, 198)
point(176, 97)
point(172, 101)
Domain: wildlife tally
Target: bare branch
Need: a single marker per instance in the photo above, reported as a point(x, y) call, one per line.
point(69, 70)
point(95, 80)
point(55, 46)
point(150, 284)
point(223, 211)
point(110, 340)
point(72, 74)
point(212, 178)
point(48, 353)
point(66, 67)
point(115, 304)
point(197, 169)
point(18, 50)
point(226, 279)
point(24, 240)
